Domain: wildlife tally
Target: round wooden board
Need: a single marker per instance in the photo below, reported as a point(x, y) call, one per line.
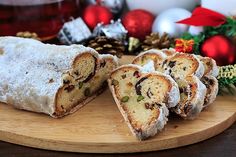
point(99, 128)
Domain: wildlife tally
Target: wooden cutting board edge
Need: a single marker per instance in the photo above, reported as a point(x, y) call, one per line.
point(142, 146)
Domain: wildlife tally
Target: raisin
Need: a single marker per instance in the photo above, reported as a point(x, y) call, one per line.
point(190, 94)
point(172, 64)
point(164, 63)
point(206, 79)
point(76, 73)
point(103, 64)
point(87, 92)
point(138, 86)
point(66, 81)
point(207, 85)
point(146, 105)
point(136, 74)
point(149, 106)
point(183, 90)
point(211, 82)
point(114, 82)
point(149, 93)
point(69, 88)
point(159, 105)
point(123, 76)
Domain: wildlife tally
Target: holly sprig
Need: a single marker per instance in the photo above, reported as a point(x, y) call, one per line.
point(228, 29)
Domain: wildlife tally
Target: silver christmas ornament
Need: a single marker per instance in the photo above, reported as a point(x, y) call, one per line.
point(114, 30)
point(114, 5)
point(166, 22)
point(75, 31)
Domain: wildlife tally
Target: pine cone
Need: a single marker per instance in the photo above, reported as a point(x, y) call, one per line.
point(155, 41)
point(28, 34)
point(105, 45)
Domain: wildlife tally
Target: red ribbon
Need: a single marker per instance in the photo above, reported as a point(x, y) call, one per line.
point(204, 17)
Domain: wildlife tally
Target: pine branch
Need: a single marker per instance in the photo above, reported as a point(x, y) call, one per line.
point(227, 79)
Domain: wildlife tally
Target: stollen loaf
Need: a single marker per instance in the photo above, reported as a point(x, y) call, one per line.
point(51, 79)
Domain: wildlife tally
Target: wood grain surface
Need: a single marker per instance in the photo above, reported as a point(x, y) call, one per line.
point(222, 145)
point(99, 128)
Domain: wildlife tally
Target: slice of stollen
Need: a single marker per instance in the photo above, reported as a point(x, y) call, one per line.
point(210, 66)
point(209, 79)
point(141, 98)
point(212, 86)
point(192, 95)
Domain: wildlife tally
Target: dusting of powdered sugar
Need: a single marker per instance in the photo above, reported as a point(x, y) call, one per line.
point(200, 70)
point(210, 97)
point(199, 98)
point(215, 69)
point(174, 94)
point(149, 67)
point(27, 66)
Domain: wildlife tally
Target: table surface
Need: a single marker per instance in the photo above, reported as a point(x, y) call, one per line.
point(222, 145)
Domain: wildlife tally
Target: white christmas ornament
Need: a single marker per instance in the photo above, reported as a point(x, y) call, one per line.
point(158, 6)
point(166, 22)
point(194, 30)
point(226, 7)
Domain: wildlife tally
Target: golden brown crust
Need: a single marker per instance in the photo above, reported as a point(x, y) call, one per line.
point(169, 52)
point(156, 56)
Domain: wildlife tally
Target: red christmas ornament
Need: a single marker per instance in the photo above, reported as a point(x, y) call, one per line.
point(95, 14)
point(219, 48)
point(138, 23)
